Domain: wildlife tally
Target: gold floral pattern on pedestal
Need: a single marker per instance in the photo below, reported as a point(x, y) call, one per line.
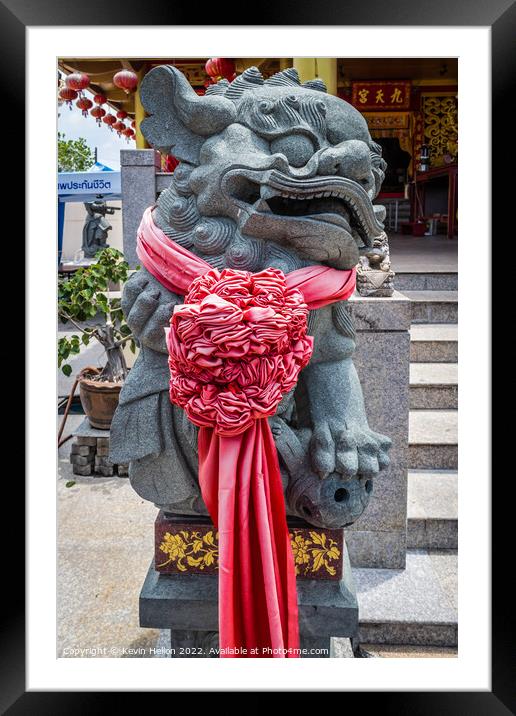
point(198, 550)
point(191, 549)
point(314, 553)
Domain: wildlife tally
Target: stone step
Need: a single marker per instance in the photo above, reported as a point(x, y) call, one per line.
point(433, 343)
point(433, 386)
point(433, 306)
point(420, 281)
point(414, 606)
point(409, 651)
point(432, 509)
point(432, 440)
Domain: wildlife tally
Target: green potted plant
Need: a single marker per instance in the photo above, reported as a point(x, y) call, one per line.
point(85, 302)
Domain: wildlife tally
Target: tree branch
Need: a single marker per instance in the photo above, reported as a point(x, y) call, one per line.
point(121, 341)
point(93, 331)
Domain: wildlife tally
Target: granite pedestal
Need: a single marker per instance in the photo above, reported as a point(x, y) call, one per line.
point(187, 605)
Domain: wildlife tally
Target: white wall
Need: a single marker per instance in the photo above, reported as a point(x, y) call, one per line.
point(75, 215)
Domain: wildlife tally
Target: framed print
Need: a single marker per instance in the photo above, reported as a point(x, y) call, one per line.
point(231, 482)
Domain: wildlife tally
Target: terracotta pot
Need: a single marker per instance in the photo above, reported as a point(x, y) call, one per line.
point(99, 401)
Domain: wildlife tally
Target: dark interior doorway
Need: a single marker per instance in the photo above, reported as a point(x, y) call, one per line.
point(397, 165)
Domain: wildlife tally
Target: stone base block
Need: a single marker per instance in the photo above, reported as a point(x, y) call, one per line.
point(81, 460)
point(82, 450)
point(187, 604)
point(85, 440)
point(83, 470)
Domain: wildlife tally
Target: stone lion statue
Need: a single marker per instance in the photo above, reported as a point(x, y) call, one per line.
point(272, 173)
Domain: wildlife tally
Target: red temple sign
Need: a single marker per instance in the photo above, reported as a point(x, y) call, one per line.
point(381, 95)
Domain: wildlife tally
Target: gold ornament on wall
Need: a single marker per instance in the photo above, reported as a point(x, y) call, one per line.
point(441, 127)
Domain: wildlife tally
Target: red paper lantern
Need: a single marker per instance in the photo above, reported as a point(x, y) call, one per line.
point(128, 133)
point(84, 104)
point(77, 81)
point(121, 114)
point(67, 95)
point(110, 120)
point(126, 80)
point(100, 99)
point(98, 113)
point(119, 126)
point(220, 67)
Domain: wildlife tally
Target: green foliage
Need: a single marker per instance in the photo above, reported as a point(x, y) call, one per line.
point(73, 155)
point(85, 295)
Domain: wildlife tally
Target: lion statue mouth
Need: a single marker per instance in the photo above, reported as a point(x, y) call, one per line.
point(302, 211)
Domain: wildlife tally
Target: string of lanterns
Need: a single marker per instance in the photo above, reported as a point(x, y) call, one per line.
point(73, 89)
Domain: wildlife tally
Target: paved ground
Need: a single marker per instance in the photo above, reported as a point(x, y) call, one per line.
point(105, 543)
point(425, 254)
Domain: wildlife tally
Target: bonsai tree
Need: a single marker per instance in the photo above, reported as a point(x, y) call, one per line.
point(83, 297)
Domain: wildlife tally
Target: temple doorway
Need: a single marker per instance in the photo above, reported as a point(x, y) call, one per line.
point(398, 162)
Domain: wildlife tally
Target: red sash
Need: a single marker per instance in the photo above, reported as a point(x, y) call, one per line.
point(236, 345)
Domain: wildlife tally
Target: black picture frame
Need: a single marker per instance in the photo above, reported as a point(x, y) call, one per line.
point(500, 16)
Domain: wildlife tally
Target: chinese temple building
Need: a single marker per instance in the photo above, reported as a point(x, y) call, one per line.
point(410, 106)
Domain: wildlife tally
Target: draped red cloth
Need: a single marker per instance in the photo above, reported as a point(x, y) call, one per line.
point(239, 475)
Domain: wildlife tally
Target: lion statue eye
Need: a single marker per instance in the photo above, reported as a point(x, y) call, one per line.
point(298, 148)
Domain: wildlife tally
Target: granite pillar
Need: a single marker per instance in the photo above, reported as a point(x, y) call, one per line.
point(382, 357)
point(138, 175)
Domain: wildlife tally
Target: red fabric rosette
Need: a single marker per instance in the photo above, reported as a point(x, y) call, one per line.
point(236, 346)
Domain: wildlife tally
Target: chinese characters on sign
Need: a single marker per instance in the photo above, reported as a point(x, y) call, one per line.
point(381, 95)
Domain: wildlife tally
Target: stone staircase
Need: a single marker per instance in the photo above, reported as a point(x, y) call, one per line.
point(432, 479)
point(418, 605)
